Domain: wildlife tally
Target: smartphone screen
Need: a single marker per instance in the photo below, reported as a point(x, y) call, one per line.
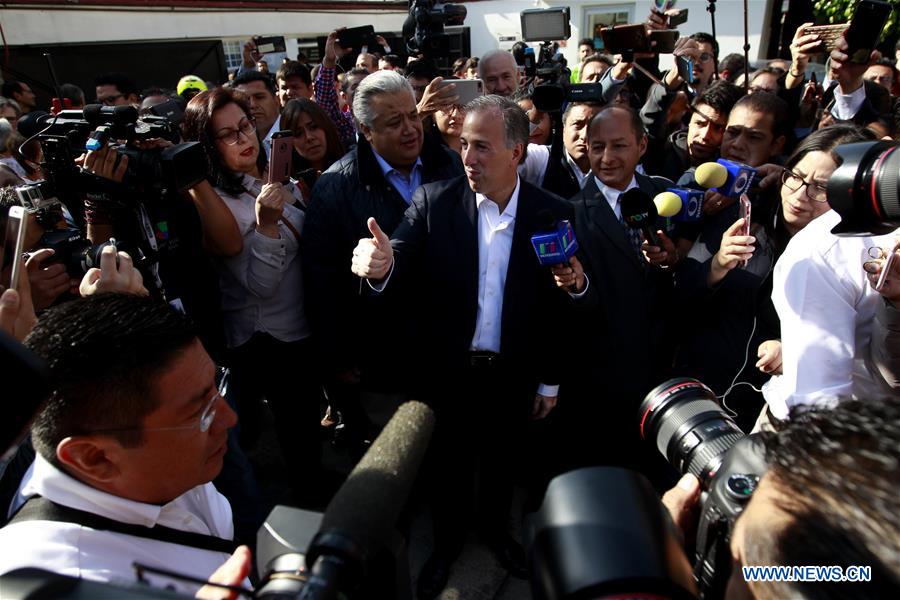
point(865, 29)
point(13, 247)
point(280, 157)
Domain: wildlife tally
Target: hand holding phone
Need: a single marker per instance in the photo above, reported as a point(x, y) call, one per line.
point(280, 157)
point(886, 268)
point(13, 248)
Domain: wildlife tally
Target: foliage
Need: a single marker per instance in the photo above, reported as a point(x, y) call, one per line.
point(841, 11)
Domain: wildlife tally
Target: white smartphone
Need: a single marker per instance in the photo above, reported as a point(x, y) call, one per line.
point(13, 247)
point(467, 89)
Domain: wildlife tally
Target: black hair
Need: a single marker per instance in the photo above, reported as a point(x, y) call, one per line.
point(721, 96)
point(518, 52)
point(705, 38)
point(121, 81)
point(292, 68)
point(422, 69)
point(345, 81)
point(472, 63)
point(11, 87)
point(105, 353)
point(74, 93)
point(396, 62)
point(458, 65)
point(769, 104)
point(836, 470)
point(585, 42)
point(734, 64)
point(249, 76)
point(598, 57)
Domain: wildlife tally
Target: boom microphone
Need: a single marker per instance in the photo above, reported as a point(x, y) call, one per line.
point(361, 517)
point(639, 212)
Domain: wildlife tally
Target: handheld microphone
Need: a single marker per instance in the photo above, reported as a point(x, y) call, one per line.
point(725, 177)
point(556, 242)
point(639, 212)
point(689, 204)
point(361, 517)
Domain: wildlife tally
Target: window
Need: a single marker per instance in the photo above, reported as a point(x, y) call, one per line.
point(233, 53)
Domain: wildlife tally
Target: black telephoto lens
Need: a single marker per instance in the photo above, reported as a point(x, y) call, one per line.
point(864, 188)
point(684, 419)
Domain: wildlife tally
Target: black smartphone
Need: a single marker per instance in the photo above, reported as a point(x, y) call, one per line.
point(625, 38)
point(664, 40)
point(679, 18)
point(865, 29)
point(280, 156)
point(357, 37)
point(270, 44)
point(685, 68)
point(13, 247)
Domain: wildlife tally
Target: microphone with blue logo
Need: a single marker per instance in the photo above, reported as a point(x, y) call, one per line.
point(554, 243)
point(726, 177)
point(682, 204)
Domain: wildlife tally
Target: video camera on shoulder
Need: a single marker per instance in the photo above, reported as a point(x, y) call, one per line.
point(423, 29)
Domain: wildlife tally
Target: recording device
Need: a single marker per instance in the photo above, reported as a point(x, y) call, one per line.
point(679, 18)
point(827, 34)
point(684, 420)
point(682, 204)
point(639, 212)
point(357, 37)
point(886, 268)
point(546, 24)
point(270, 44)
point(170, 110)
point(725, 177)
point(13, 247)
point(745, 210)
point(281, 157)
point(423, 29)
point(628, 39)
point(685, 67)
point(601, 532)
point(865, 29)
point(467, 89)
point(864, 188)
point(556, 242)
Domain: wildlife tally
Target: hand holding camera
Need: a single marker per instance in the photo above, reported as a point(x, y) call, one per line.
point(115, 275)
point(106, 163)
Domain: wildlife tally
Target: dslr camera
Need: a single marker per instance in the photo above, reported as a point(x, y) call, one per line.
point(689, 427)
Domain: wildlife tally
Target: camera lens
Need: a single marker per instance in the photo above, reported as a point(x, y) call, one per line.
point(864, 188)
point(688, 426)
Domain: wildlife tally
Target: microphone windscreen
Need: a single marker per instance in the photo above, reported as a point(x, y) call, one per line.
point(546, 220)
point(667, 204)
point(711, 175)
point(637, 208)
point(92, 113)
point(366, 508)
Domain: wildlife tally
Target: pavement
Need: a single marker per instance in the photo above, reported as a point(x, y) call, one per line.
point(476, 574)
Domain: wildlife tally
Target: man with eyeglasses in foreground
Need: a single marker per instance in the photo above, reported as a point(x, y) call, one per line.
point(116, 89)
point(127, 444)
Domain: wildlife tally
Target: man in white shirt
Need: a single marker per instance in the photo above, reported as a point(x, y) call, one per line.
point(130, 438)
point(489, 358)
point(826, 308)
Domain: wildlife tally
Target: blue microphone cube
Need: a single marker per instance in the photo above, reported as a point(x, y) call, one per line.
point(739, 178)
point(555, 247)
point(691, 204)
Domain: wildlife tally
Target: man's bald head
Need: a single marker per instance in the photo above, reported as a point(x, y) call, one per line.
point(498, 70)
point(619, 113)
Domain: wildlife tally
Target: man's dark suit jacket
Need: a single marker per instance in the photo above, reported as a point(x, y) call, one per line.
point(436, 265)
point(617, 324)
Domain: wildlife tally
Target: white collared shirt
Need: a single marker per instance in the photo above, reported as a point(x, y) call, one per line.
point(267, 141)
point(612, 194)
point(580, 177)
point(847, 105)
point(826, 308)
point(74, 550)
point(495, 238)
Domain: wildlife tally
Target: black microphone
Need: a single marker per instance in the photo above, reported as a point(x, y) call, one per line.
point(639, 212)
point(361, 517)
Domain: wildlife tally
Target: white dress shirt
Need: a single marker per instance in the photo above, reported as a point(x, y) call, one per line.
point(612, 194)
point(77, 551)
point(534, 167)
point(826, 307)
point(580, 177)
point(847, 105)
point(262, 287)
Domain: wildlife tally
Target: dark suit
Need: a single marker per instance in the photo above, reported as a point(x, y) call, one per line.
point(618, 335)
point(481, 412)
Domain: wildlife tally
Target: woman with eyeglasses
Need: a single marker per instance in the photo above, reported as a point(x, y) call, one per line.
point(729, 323)
point(448, 122)
point(266, 331)
point(317, 143)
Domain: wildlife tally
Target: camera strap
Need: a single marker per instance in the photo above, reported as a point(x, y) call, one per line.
point(38, 508)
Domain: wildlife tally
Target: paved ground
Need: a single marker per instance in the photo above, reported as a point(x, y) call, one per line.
point(476, 575)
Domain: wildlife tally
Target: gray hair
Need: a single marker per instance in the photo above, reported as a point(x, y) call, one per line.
point(515, 121)
point(4, 102)
point(6, 132)
point(379, 82)
point(490, 55)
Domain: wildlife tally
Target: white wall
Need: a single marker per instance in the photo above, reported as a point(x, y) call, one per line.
point(92, 26)
point(490, 19)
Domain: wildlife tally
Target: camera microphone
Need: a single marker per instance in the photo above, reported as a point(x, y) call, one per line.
point(360, 519)
point(96, 114)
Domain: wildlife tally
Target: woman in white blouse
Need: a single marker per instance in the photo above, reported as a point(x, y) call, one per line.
point(262, 287)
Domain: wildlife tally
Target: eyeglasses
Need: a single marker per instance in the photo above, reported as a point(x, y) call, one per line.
point(206, 419)
point(814, 191)
point(705, 56)
point(232, 136)
point(110, 100)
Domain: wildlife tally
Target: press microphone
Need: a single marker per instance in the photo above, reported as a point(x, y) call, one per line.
point(360, 519)
point(639, 212)
point(682, 204)
point(725, 177)
point(555, 243)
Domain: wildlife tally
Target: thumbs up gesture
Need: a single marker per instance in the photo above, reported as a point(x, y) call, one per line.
point(373, 257)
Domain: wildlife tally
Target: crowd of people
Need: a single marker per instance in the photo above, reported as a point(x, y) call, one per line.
point(397, 264)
